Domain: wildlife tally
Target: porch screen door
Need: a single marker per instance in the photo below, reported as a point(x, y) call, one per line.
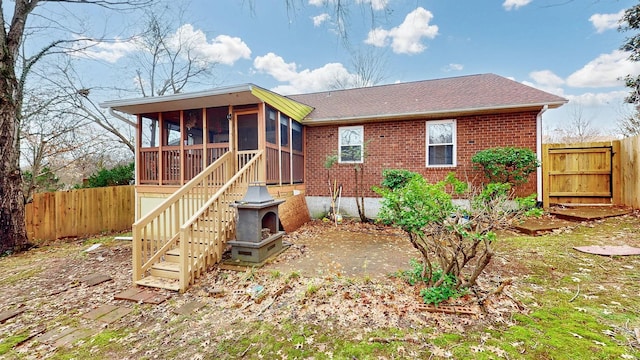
point(247, 131)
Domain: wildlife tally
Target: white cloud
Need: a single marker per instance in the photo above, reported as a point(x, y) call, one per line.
point(607, 70)
point(407, 37)
point(275, 66)
point(590, 99)
point(222, 49)
point(515, 4)
point(603, 22)
point(546, 78)
point(454, 67)
point(307, 80)
point(318, 2)
point(107, 51)
point(320, 19)
point(556, 90)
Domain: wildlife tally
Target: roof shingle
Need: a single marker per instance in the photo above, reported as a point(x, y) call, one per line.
point(464, 94)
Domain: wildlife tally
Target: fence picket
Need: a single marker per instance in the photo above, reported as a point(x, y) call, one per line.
point(77, 213)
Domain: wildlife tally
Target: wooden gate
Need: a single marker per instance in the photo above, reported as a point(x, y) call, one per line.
point(586, 173)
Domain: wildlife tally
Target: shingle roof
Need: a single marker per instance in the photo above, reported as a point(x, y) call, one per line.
point(430, 98)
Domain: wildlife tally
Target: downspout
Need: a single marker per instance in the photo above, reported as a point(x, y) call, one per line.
point(539, 152)
point(135, 162)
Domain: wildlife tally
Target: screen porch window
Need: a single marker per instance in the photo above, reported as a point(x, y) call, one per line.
point(270, 126)
point(441, 143)
point(150, 130)
point(351, 144)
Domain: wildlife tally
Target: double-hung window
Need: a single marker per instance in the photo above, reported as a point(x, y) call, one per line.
point(441, 143)
point(351, 144)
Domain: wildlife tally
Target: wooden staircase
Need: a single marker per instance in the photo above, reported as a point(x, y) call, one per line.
point(196, 220)
point(164, 274)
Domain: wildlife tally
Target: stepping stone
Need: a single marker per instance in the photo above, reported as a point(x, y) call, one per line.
point(156, 299)
point(95, 279)
point(189, 307)
point(52, 335)
point(99, 312)
point(74, 336)
point(138, 295)
point(6, 315)
point(127, 294)
point(107, 313)
point(115, 315)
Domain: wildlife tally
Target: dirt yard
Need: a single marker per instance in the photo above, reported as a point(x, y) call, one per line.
point(331, 296)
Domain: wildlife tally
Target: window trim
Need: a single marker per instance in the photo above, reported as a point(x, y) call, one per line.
point(454, 143)
point(340, 130)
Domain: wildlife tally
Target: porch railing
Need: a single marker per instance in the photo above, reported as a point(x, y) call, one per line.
point(205, 234)
point(197, 217)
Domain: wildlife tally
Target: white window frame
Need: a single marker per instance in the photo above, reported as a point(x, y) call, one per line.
point(361, 144)
point(453, 143)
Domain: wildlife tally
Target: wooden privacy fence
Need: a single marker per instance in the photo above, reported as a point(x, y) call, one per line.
point(630, 171)
point(592, 173)
point(77, 213)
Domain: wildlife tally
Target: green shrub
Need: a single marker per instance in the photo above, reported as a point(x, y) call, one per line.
point(433, 294)
point(396, 178)
point(119, 175)
point(506, 164)
point(445, 291)
point(529, 205)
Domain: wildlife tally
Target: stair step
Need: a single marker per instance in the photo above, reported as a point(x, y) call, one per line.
point(172, 256)
point(166, 269)
point(159, 282)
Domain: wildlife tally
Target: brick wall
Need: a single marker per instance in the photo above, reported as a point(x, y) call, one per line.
point(401, 145)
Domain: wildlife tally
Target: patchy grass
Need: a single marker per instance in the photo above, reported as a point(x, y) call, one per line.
point(9, 342)
point(20, 276)
point(289, 340)
point(582, 306)
point(104, 345)
point(576, 306)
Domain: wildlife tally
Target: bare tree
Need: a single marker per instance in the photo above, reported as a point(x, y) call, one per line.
point(169, 60)
point(579, 129)
point(368, 68)
point(80, 105)
point(15, 69)
point(629, 124)
point(53, 140)
point(167, 63)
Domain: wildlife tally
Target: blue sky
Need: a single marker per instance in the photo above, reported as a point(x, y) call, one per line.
point(569, 48)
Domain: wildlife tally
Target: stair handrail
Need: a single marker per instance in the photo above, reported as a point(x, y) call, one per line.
point(252, 168)
point(170, 209)
point(173, 198)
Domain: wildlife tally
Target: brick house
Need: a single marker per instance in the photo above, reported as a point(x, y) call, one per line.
point(195, 151)
point(462, 115)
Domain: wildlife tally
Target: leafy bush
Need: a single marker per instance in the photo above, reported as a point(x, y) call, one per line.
point(506, 164)
point(435, 294)
point(445, 291)
point(455, 242)
point(415, 274)
point(396, 178)
point(46, 181)
point(119, 175)
point(529, 205)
